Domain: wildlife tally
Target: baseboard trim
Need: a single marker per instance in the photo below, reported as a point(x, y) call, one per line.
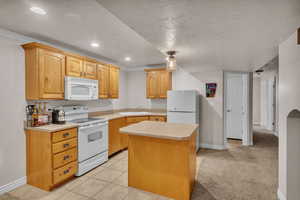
point(12, 185)
point(280, 195)
point(212, 146)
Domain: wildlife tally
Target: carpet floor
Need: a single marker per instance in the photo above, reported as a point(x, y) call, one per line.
point(239, 173)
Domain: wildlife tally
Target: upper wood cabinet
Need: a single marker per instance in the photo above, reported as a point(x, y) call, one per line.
point(81, 67)
point(90, 69)
point(45, 72)
point(103, 80)
point(74, 66)
point(158, 82)
point(114, 82)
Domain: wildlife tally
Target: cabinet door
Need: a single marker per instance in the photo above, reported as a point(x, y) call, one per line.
point(164, 83)
point(115, 141)
point(90, 70)
point(103, 81)
point(51, 74)
point(74, 66)
point(152, 84)
point(113, 82)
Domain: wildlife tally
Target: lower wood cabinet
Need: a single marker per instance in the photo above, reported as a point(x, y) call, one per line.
point(51, 157)
point(114, 138)
point(119, 141)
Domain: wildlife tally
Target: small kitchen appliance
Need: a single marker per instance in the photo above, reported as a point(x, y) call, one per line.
point(92, 138)
point(58, 116)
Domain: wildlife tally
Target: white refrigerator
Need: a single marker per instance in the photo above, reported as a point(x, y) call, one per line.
point(183, 107)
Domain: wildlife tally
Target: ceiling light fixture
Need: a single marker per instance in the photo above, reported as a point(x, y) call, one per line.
point(38, 10)
point(127, 59)
point(94, 44)
point(171, 60)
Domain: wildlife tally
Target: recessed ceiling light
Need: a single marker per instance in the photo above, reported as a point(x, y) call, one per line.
point(127, 59)
point(38, 10)
point(94, 44)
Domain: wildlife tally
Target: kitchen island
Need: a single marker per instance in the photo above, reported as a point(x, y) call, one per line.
point(162, 158)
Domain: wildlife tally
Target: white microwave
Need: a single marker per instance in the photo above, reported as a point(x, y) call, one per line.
point(80, 88)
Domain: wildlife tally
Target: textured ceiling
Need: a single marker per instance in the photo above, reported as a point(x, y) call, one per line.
point(209, 35)
point(75, 24)
point(212, 34)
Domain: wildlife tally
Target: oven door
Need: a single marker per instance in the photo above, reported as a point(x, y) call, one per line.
point(92, 140)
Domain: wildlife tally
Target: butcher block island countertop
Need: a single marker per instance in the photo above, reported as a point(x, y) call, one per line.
point(162, 158)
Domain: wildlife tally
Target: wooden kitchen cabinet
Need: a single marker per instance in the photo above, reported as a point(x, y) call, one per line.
point(74, 66)
point(114, 82)
point(90, 69)
point(108, 79)
point(51, 157)
point(115, 141)
point(45, 72)
point(103, 81)
point(158, 82)
point(78, 66)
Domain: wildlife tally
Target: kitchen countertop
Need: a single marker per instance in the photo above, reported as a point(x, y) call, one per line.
point(118, 115)
point(53, 127)
point(163, 130)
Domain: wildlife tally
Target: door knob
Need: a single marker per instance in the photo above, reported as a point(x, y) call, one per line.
point(228, 110)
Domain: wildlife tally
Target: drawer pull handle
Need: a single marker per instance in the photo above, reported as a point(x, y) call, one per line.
point(66, 134)
point(66, 171)
point(66, 157)
point(66, 145)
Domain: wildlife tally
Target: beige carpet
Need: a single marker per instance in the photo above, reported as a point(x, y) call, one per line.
point(239, 173)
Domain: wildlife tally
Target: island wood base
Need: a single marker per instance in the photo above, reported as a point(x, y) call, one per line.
point(163, 166)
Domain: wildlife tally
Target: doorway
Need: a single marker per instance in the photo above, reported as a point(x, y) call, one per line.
point(237, 104)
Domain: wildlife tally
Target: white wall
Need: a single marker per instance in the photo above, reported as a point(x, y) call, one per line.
point(289, 99)
point(12, 106)
point(256, 101)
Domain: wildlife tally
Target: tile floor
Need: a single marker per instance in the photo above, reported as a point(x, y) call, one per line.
point(233, 174)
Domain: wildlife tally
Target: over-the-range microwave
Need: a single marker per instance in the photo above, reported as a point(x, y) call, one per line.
point(80, 88)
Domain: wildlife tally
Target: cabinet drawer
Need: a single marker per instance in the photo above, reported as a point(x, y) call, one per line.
point(64, 135)
point(136, 119)
point(64, 172)
point(157, 118)
point(65, 157)
point(64, 145)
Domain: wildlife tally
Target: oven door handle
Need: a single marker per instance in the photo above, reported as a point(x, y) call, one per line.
point(92, 126)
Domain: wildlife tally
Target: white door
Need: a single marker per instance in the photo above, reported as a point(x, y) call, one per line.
point(234, 108)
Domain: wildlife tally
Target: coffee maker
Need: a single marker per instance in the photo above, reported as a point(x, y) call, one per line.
point(58, 116)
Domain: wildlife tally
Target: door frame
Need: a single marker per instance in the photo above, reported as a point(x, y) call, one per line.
point(248, 88)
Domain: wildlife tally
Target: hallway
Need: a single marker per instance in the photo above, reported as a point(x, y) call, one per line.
point(239, 173)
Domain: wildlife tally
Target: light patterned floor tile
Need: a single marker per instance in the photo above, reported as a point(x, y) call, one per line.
point(93, 172)
point(28, 192)
point(72, 196)
point(122, 180)
point(121, 165)
point(134, 194)
point(108, 175)
point(75, 182)
point(90, 188)
point(112, 192)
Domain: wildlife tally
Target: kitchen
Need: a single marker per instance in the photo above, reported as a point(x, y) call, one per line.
point(125, 100)
point(82, 140)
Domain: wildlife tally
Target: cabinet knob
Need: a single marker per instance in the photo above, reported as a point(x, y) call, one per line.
point(66, 145)
point(66, 157)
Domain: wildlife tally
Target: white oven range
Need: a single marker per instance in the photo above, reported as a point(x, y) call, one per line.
point(92, 138)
